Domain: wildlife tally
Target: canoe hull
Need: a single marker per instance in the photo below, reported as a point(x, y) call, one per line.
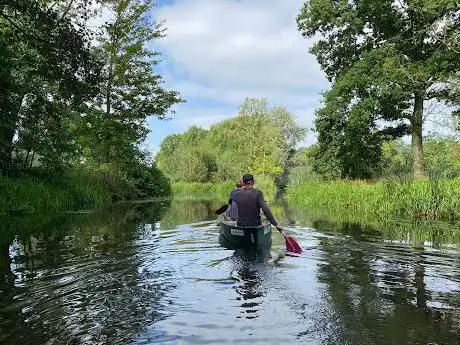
point(256, 240)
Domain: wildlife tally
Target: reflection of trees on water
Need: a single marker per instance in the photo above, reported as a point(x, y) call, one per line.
point(189, 211)
point(381, 297)
point(82, 278)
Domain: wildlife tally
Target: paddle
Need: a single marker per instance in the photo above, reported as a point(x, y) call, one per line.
point(222, 209)
point(292, 247)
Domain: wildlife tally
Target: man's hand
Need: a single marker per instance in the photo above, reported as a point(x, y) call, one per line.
point(279, 227)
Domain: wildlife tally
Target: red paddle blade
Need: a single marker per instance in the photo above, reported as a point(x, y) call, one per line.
point(292, 246)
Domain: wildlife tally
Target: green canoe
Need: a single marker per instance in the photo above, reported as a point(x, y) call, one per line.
point(256, 239)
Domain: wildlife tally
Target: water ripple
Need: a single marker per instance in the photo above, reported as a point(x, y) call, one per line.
point(151, 283)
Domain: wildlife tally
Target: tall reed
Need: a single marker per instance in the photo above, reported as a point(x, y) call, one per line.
point(71, 192)
point(428, 199)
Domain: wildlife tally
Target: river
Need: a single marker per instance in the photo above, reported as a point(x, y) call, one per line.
point(155, 274)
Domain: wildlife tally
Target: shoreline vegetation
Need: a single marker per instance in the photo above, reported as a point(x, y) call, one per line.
point(370, 203)
point(44, 192)
point(418, 208)
point(207, 191)
point(383, 200)
point(438, 234)
point(74, 127)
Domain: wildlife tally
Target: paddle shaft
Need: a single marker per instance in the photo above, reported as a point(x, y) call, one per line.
point(222, 209)
point(282, 231)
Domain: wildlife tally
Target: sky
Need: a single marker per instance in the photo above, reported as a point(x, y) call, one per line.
point(217, 52)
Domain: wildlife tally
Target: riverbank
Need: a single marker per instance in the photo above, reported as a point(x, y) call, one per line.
point(407, 199)
point(41, 191)
point(28, 194)
point(221, 190)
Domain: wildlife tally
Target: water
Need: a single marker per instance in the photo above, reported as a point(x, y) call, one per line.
point(156, 274)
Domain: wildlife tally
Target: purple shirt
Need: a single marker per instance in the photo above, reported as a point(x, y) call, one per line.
point(233, 210)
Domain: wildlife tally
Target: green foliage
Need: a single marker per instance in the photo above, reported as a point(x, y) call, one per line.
point(432, 200)
point(261, 140)
point(71, 98)
point(442, 158)
point(396, 160)
point(304, 168)
point(202, 191)
point(219, 191)
point(70, 190)
point(111, 129)
point(139, 182)
point(385, 61)
point(43, 190)
point(47, 66)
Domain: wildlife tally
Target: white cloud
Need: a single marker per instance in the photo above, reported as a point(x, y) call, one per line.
point(201, 116)
point(101, 15)
point(229, 49)
point(249, 43)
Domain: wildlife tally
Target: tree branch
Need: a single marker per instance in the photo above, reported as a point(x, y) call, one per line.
point(24, 32)
point(67, 10)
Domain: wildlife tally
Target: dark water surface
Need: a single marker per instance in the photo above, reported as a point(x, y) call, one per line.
point(157, 275)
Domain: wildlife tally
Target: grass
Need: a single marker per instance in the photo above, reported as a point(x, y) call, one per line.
point(71, 191)
point(427, 200)
point(213, 191)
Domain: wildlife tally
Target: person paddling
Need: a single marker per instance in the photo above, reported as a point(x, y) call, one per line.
point(250, 201)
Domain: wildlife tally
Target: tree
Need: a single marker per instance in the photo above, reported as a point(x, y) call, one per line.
point(385, 58)
point(131, 90)
point(42, 48)
point(253, 142)
point(44, 130)
point(253, 107)
point(165, 157)
point(396, 159)
point(349, 141)
point(260, 140)
point(288, 133)
point(291, 134)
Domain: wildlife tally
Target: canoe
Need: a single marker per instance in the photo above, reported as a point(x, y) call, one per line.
point(256, 239)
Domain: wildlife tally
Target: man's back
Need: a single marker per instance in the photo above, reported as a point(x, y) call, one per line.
point(250, 201)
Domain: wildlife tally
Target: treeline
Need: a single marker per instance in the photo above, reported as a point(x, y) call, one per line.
point(387, 61)
point(261, 140)
point(76, 92)
point(441, 161)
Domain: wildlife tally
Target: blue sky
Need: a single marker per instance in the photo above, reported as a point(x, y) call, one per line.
point(217, 52)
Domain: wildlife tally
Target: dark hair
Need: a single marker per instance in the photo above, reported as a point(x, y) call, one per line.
point(248, 179)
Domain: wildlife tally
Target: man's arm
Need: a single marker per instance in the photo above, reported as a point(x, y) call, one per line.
point(265, 209)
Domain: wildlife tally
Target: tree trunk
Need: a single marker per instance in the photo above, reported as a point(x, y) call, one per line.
point(9, 110)
point(7, 129)
point(32, 159)
point(26, 161)
point(108, 110)
point(417, 139)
